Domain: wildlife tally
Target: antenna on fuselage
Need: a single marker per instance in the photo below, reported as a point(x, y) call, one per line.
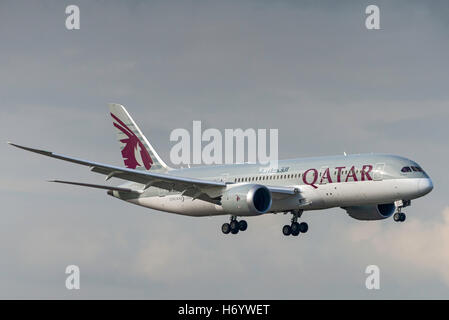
point(344, 153)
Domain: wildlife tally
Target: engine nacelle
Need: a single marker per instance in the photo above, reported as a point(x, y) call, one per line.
point(247, 200)
point(371, 212)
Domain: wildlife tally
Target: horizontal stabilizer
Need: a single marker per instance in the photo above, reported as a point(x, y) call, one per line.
point(98, 186)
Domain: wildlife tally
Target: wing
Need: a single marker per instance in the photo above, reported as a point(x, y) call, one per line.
point(196, 188)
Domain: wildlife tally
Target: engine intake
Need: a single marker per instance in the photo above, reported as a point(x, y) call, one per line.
point(371, 212)
point(247, 200)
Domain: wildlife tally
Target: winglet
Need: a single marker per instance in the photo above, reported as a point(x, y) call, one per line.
point(44, 152)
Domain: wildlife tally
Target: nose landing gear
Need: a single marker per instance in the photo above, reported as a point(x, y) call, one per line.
point(400, 216)
point(295, 228)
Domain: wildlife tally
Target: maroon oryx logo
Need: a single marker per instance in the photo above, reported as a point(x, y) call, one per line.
point(133, 147)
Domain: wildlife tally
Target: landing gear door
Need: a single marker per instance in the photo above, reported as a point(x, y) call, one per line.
point(379, 171)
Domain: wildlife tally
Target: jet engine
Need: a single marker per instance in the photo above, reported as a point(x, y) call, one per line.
point(246, 200)
point(371, 212)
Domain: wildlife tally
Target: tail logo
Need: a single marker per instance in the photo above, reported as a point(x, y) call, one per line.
point(134, 153)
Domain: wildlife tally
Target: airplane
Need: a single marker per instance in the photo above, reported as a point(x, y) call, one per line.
point(366, 186)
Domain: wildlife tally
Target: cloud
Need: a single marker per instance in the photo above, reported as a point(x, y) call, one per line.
point(418, 244)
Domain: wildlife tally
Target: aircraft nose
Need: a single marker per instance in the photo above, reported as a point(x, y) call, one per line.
point(425, 186)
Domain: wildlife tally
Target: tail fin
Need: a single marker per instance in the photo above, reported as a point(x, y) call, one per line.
point(137, 152)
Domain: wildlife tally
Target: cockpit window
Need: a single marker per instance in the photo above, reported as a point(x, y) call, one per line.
point(415, 169)
point(406, 169)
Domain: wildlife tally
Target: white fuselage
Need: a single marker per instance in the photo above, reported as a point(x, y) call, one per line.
point(385, 183)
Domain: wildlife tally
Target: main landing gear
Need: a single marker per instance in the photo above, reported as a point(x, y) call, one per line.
point(234, 226)
point(295, 228)
point(400, 216)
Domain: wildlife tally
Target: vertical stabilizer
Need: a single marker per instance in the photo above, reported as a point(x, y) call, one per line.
point(137, 151)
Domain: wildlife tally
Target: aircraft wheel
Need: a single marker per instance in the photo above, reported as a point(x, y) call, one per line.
point(295, 228)
point(243, 225)
point(303, 227)
point(287, 230)
point(226, 228)
point(397, 217)
point(402, 217)
point(234, 225)
point(234, 231)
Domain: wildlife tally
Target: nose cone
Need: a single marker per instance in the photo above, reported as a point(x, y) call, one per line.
point(425, 186)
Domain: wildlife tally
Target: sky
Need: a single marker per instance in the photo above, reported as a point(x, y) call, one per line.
point(307, 68)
